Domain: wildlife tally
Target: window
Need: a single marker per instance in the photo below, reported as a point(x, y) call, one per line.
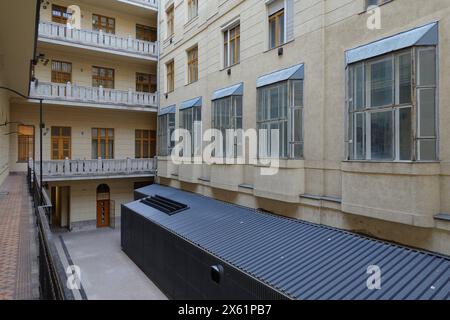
point(102, 143)
point(61, 143)
point(25, 142)
point(170, 21)
point(170, 76)
point(382, 115)
point(192, 9)
point(227, 115)
point(280, 107)
point(192, 65)
point(232, 46)
point(276, 29)
point(102, 77)
point(145, 144)
point(105, 24)
point(146, 33)
point(166, 126)
point(61, 71)
point(375, 2)
point(145, 82)
point(60, 14)
point(191, 120)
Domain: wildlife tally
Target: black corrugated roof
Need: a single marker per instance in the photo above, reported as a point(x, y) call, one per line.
point(301, 259)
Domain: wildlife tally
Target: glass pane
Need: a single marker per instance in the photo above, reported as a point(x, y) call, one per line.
point(427, 67)
point(110, 149)
point(427, 150)
point(381, 135)
point(405, 133)
point(94, 149)
point(427, 112)
point(274, 100)
point(359, 86)
point(381, 83)
point(272, 33)
point(298, 93)
point(298, 125)
point(281, 26)
point(360, 137)
point(404, 67)
point(103, 149)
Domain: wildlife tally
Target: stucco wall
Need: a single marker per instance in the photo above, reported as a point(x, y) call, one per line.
point(4, 130)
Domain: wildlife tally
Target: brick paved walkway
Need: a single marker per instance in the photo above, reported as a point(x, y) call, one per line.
point(18, 253)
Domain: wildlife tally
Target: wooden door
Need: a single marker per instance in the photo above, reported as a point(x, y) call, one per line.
point(102, 213)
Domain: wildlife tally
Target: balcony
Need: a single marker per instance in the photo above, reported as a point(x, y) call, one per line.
point(62, 170)
point(71, 94)
point(92, 40)
point(146, 3)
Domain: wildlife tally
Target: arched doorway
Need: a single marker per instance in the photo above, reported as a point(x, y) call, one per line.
point(103, 206)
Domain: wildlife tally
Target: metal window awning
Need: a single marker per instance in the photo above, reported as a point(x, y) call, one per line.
point(197, 102)
point(426, 35)
point(167, 110)
point(298, 259)
point(292, 73)
point(234, 90)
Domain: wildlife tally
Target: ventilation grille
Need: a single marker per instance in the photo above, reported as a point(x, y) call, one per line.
point(165, 205)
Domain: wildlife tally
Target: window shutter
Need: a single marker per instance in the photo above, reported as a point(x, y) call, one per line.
point(289, 13)
point(275, 6)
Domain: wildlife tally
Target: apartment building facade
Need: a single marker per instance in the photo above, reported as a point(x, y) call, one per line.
point(358, 94)
point(96, 71)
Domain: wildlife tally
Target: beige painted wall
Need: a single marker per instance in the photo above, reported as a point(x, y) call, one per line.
point(374, 196)
point(124, 71)
point(125, 23)
point(81, 120)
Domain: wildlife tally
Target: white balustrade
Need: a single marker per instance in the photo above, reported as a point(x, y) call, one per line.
point(148, 3)
point(75, 93)
point(98, 39)
point(100, 167)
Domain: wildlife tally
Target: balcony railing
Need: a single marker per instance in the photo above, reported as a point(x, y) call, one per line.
point(147, 3)
point(100, 40)
point(82, 169)
point(91, 95)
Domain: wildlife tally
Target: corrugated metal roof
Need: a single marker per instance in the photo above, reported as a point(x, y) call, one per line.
point(167, 110)
point(422, 36)
point(196, 102)
point(301, 259)
point(294, 73)
point(234, 90)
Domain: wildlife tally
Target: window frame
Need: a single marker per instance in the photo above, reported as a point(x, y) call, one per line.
point(27, 142)
point(192, 9)
point(192, 65)
point(276, 17)
point(97, 26)
point(97, 78)
point(63, 11)
point(188, 118)
point(170, 75)
point(140, 139)
point(227, 43)
point(170, 19)
point(164, 134)
point(144, 33)
point(58, 75)
point(107, 139)
point(397, 106)
point(60, 139)
point(140, 85)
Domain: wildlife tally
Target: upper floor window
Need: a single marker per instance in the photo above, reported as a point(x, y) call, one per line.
point(102, 77)
point(146, 33)
point(192, 9)
point(281, 22)
point(145, 82)
point(61, 143)
point(170, 21)
point(102, 143)
point(61, 71)
point(232, 46)
point(166, 127)
point(192, 55)
point(25, 143)
point(170, 71)
point(60, 14)
point(385, 123)
point(145, 144)
point(105, 24)
point(276, 29)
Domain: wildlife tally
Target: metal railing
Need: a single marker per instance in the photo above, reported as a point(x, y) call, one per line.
point(95, 168)
point(97, 39)
point(100, 95)
point(52, 276)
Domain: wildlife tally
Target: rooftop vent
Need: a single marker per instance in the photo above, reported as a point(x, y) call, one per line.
point(165, 205)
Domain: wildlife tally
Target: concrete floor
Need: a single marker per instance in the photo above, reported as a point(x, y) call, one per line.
point(106, 271)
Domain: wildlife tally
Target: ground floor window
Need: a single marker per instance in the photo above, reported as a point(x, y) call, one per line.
point(384, 122)
point(191, 120)
point(166, 126)
point(25, 143)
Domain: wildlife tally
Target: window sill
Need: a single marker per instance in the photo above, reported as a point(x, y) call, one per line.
point(280, 46)
point(364, 11)
point(282, 163)
point(393, 167)
point(191, 21)
point(188, 84)
point(230, 67)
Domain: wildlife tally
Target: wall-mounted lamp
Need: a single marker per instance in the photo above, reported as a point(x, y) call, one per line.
point(229, 72)
point(280, 51)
